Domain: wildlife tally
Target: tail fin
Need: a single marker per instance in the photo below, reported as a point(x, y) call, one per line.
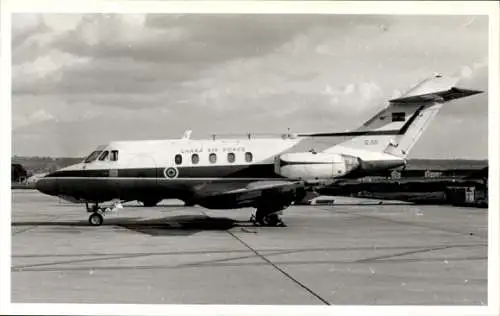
point(397, 128)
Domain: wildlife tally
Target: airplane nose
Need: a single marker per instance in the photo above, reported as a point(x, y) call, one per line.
point(47, 186)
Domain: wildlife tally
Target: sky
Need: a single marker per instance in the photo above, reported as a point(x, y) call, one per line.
point(80, 80)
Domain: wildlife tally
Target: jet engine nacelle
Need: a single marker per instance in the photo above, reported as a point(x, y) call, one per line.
point(315, 166)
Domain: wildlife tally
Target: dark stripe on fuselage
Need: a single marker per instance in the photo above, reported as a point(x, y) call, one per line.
point(233, 171)
point(352, 134)
point(401, 131)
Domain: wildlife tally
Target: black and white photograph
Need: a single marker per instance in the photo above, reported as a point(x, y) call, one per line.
point(247, 158)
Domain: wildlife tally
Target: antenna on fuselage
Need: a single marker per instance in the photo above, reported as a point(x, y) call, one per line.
point(187, 134)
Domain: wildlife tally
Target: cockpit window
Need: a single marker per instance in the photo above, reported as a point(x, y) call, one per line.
point(104, 155)
point(93, 156)
point(114, 155)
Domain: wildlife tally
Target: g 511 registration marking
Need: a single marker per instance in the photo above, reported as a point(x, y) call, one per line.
point(371, 142)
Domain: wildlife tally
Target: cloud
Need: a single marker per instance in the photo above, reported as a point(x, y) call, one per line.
point(325, 57)
point(162, 73)
point(40, 116)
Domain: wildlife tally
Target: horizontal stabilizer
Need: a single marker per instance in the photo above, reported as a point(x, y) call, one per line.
point(440, 96)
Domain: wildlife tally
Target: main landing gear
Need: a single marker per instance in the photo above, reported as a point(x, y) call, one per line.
point(96, 217)
point(268, 217)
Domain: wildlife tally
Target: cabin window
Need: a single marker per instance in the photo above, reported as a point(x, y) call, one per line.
point(104, 155)
point(195, 159)
point(114, 155)
point(230, 157)
point(178, 159)
point(212, 158)
point(93, 156)
point(248, 157)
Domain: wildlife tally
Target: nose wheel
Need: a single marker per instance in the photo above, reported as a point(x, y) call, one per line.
point(96, 217)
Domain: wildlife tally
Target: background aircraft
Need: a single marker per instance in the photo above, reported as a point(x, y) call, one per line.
point(269, 174)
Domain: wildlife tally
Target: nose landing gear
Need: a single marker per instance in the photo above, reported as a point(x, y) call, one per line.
point(96, 217)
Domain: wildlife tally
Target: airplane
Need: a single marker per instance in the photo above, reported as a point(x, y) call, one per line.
point(268, 174)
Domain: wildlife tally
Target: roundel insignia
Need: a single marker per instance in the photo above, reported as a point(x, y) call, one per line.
point(170, 173)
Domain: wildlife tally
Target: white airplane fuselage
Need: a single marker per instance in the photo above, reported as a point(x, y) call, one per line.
point(148, 170)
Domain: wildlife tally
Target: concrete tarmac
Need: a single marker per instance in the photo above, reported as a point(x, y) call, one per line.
point(341, 254)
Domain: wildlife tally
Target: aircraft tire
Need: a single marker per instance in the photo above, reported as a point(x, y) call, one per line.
point(266, 219)
point(271, 220)
point(259, 216)
point(96, 219)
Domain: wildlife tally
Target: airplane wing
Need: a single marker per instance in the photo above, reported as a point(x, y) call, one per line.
point(71, 199)
point(263, 186)
point(247, 196)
